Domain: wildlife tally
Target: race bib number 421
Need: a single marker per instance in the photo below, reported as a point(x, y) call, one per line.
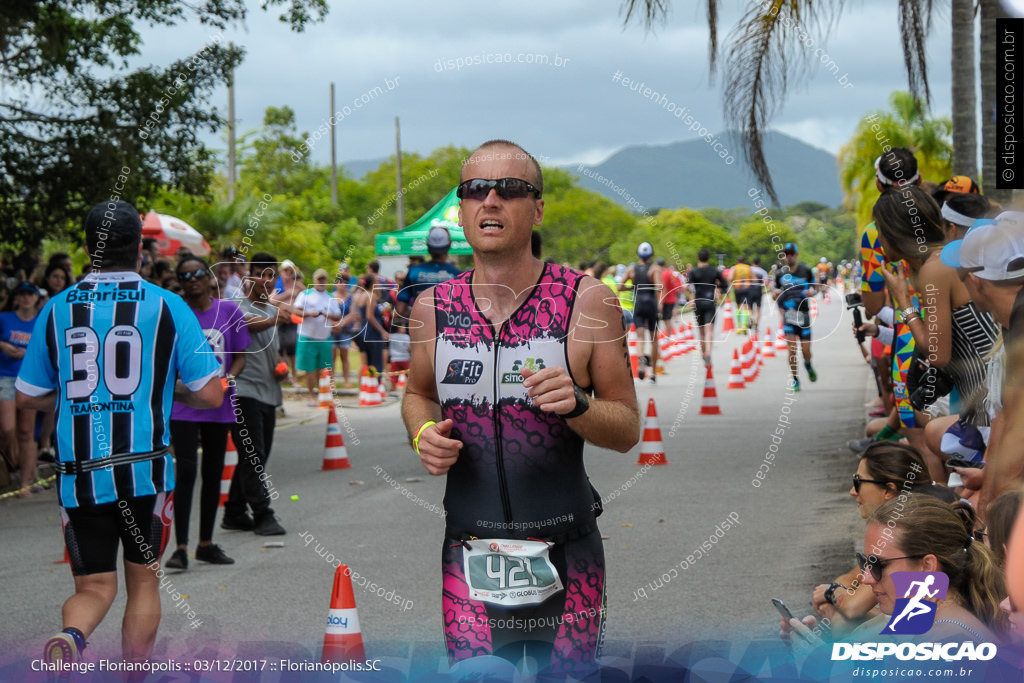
point(510, 573)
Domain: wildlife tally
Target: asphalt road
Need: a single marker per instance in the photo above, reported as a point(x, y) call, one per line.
point(796, 529)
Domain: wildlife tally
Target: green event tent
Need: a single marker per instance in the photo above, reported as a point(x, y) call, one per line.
point(413, 240)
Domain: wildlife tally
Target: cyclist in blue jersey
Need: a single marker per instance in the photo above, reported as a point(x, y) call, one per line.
point(504, 359)
point(794, 286)
point(109, 355)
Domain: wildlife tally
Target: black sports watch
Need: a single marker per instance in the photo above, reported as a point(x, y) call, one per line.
point(582, 403)
point(830, 592)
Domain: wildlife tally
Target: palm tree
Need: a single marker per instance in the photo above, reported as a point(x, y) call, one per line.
point(767, 51)
point(990, 11)
point(906, 125)
point(965, 127)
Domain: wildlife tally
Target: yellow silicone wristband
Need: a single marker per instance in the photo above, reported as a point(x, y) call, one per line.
point(416, 439)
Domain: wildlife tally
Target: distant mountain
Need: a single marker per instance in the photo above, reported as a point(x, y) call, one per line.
point(360, 167)
point(692, 174)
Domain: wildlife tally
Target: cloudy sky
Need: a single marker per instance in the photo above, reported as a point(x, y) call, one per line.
point(565, 110)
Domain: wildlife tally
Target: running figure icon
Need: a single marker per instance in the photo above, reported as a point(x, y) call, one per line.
point(915, 607)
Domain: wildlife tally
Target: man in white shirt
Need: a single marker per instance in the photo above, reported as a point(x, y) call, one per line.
point(319, 310)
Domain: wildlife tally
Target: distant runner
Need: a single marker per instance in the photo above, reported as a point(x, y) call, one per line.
point(794, 286)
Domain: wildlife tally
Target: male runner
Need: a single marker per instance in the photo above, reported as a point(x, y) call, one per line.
point(106, 353)
point(647, 284)
point(515, 364)
point(707, 284)
point(755, 292)
point(794, 285)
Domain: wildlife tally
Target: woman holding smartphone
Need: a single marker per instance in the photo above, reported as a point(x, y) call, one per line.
point(949, 330)
point(224, 325)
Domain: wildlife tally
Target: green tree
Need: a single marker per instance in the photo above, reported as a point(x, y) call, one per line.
point(579, 224)
point(906, 125)
point(677, 235)
point(765, 239)
point(102, 131)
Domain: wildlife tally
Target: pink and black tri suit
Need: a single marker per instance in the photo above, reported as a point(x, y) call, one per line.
point(520, 474)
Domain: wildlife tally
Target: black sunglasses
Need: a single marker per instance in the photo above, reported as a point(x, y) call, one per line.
point(190, 274)
point(878, 566)
point(508, 188)
point(857, 481)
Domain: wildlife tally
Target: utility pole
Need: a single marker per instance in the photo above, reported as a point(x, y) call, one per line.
point(400, 208)
point(231, 132)
point(334, 157)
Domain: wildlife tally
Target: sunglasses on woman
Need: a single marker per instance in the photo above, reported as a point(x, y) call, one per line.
point(508, 188)
point(857, 481)
point(878, 566)
point(187, 275)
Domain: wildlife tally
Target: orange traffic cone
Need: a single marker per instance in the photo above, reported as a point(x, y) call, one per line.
point(747, 362)
point(67, 558)
point(230, 462)
point(402, 379)
point(780, 341)
point(736, 379)
point(652, 452)
point(369, 393)
point(326, 396)
point(728, 321)
point(664, 350)
point(343, 640)
point(814, 309)
point(709, 405)
point(828, 299)
point(335, 455)
point(634, 360)
point(769, 344)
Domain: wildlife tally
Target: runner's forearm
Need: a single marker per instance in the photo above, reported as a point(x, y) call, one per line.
point(609, 424)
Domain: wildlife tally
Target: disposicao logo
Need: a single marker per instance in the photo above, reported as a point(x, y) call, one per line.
point(914, 614)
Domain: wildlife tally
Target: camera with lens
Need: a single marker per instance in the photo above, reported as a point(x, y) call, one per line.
point(853, 301)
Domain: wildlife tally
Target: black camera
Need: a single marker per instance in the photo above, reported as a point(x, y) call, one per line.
point(853, 301)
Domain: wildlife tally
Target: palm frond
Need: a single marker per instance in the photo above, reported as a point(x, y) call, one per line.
point(769, 48)
point(915, 21)
point(652, 10)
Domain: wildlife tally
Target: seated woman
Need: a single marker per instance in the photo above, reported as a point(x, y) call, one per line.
point(886, 470)
point(949, 330)
point(926, 535)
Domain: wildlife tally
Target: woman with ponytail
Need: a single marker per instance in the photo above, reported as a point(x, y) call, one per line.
point(927, 535)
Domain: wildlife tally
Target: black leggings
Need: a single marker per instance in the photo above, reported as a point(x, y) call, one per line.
point(185, 436)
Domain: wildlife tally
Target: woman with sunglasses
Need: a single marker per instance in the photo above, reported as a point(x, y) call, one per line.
point(885, 470)
point(224, 325)
point(932, 536)
point(923, 534)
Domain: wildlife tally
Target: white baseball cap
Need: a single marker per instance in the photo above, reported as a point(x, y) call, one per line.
point(994, 251)
point(645, 250)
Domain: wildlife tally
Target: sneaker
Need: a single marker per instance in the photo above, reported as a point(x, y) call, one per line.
point(47, 455)
point(178, 560)
point(795, 384)
point(858, 445)
point(267, 525)
point(212, 554)
point(811, 374)
point(242, 522)
point(61, 648)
